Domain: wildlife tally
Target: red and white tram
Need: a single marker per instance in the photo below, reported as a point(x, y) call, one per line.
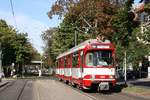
point(89, 64)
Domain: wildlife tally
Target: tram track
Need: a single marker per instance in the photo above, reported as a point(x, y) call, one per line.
point(21, 91)
point(7, 86)
point(14, 90)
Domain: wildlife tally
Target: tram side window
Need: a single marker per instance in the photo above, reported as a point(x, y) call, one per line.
point(89, 59)
point(75, 60)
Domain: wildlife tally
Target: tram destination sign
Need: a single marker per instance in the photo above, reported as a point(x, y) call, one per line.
point(101, 46)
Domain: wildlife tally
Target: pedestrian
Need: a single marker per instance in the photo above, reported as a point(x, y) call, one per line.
point(102, 38)
point(40, 72)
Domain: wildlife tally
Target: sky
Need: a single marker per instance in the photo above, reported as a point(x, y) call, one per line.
point(136, 2)
point(31, 17)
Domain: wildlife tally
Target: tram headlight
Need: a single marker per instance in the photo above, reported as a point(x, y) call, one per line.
point(111, 76)
point(94, 46)
point(92, 77)
point(87, 76)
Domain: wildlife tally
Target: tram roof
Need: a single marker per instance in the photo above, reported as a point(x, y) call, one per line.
point(80, 46)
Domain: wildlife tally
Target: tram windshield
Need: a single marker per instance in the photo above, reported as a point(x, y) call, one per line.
point(99, 58)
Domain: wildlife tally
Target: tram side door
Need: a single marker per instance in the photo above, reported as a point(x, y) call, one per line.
point(81, 62)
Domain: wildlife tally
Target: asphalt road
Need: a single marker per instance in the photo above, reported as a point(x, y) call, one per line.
point(51, 89)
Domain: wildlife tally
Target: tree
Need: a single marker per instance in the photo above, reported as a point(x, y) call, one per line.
point(92, 17)
point(15, 47)
point(85, 17)
point(7, 34)
point(144, 31)
point(123, 26)
point(111, 18)
point(136, 50)
point(47, 36)
point(23, 51)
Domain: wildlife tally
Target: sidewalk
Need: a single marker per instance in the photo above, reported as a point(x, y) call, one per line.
point(137, 87)
point(143, 82)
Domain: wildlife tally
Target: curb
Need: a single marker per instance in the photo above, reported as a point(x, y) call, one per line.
point(3, 84)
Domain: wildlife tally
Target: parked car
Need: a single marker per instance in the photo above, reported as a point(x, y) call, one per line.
point(131, 74)
point(120, 74)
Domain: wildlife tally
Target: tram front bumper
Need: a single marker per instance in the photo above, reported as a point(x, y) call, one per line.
point(104, 83)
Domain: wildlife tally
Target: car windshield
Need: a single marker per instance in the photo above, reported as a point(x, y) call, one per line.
point(99, 58)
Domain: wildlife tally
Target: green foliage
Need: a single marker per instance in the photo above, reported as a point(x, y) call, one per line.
point(123, 25)
point(7, 35)
point(94, 16)
point(145, 36)
point(136, 49)
point(23, 49)
point(62, 39)
point(85, 17)
point(125, 37)
point(147, 8)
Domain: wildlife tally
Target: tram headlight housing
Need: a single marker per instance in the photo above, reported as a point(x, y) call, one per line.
point(92, 77)
point(111, 76)
point(94, 46)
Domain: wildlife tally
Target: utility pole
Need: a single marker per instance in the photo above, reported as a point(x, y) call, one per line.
point(125, 67)
point(75, 38)
point(0, 63)
point(140, 66)
point(149, 65)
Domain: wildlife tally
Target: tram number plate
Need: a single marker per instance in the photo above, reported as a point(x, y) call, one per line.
point(104, 86)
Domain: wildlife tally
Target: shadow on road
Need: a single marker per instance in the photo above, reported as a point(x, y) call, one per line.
point(143, 83)
point(117, 89)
